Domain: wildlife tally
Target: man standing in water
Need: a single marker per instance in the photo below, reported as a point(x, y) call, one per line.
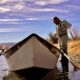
point(61, 30)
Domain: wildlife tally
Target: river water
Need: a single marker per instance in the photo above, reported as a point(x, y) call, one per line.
point(74, 74)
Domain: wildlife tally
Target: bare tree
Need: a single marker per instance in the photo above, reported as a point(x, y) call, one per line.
point(53, 38)
point(75, 35)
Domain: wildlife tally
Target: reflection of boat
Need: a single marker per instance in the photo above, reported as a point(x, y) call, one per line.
point(3, 64)
point(32, 57)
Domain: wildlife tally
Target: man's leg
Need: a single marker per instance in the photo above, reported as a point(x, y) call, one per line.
point(64, 62)
point(63, 47)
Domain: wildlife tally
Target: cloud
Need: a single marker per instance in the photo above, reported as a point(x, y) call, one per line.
point(36, 18)
point(49, 10)
point(32, 18)
point(45, 2)
point(29, 29)
point(11, 29)
point(10, 21)
point(11, 5)
point(73, 7)
point(18, 6)
point(7, 30)
point(3, 9)
point(38, 9)
point(3, 1)
point(21, 7)
point(8, 1)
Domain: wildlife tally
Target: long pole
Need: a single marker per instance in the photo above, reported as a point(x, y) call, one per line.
point(73, 63)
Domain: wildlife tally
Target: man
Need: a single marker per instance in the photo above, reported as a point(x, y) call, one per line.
point(61, 30)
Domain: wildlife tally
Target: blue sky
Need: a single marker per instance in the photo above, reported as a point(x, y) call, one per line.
point(20, 18)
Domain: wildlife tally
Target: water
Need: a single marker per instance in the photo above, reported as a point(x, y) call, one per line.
point(3, 66)
point(72, 74)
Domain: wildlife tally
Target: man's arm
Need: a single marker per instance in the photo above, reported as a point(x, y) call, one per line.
point(66, 24)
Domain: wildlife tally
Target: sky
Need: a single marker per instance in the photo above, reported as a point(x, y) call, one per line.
point(20, 18)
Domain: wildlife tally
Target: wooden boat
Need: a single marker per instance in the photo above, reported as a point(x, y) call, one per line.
point(33, 57)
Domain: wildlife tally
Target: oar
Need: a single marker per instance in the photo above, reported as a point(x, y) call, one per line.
point(73, 63)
